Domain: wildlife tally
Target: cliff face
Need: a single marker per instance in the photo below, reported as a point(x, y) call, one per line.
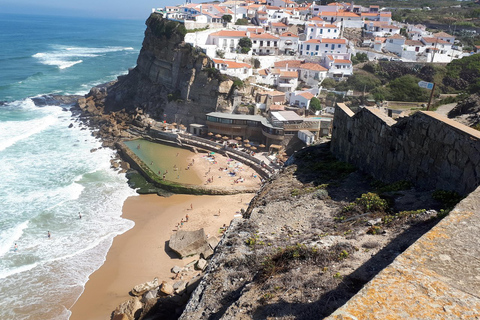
point(171, 78)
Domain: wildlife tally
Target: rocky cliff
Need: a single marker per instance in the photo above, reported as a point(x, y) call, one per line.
point(171, 78)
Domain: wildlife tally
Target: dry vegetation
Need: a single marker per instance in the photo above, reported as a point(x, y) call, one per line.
point(315, 235)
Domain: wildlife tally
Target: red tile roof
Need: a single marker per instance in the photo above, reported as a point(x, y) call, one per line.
point(289, 34)
point(291, 63)
point(288, 74)
point(229, 33)
point(312, 66)
point(232, 64)
point(342, 61)
point(307, 95)
point(264, 36)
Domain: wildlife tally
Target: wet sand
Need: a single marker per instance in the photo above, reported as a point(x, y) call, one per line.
point(139, 255)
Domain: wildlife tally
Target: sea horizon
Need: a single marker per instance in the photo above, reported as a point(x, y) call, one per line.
point(50, 174)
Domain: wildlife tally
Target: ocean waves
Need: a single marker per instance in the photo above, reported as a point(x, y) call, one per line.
point(65, 57)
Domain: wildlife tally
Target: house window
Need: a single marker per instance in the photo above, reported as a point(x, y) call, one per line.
point(255, 41)
point(317, 47)
point(268, 43)
point(224, 42)
point(308, 47)
point(321, 31)
point(275, 43)
point(232, 43)
point(261, 43)
point(339, 46)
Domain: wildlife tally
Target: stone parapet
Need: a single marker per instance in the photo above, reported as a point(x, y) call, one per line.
point(438, 277)
point(426, 148)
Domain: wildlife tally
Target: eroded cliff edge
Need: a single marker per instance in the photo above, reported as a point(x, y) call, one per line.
point(172, 81)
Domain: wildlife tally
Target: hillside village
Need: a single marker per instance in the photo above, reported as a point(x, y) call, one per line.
point(286, 50)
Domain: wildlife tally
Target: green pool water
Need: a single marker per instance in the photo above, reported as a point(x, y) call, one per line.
point(161, 158)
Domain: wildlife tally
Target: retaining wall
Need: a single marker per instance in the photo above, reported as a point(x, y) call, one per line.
point(430, 150)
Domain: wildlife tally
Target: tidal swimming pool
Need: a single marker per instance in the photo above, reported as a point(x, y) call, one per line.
point(166, 160)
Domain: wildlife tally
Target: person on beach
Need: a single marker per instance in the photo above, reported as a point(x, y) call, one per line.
point(79, 215)
point(186, 218)
point(48, 234)
point(191, 206)
point(15, 247)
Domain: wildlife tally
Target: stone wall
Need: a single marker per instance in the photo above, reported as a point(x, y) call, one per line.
point(435, 278)
point(428, 149)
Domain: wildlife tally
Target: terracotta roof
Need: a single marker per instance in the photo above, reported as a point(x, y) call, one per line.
point(289, 34)
point(316, 18)
point(262, 72)
point(255, 30)
point(307, 95)
point(339, 14)
point(273, 7)
point(263, 36)
point(277, 107)
point(275, 71)
point(229, 33)
point(435, 40)
point(385, 14)
point(291, 63)
point(288, 74)
point(232, 64)
point(375, 7)
point(342, 61)
point(413, 43)
point(261, 12)
point(312, 66)
point(442, 35)
point(279, 24)
point(396, 36)
point(274, 93)
point(380, 39)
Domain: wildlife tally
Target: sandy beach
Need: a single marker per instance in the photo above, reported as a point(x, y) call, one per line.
point(139, 255)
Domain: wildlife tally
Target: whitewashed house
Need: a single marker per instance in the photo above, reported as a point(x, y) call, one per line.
point(395, 44)
point(277, 27)
point(264, 44)
point(380, 29)
point(300, 99)
point(318, 47)
point(226, 40)
point(282, 3)
point(312, 73)
point(233, 68)
point(347, 19)
point(321, 30)
point(337, 68)
point(287, 81)
point(288, 43)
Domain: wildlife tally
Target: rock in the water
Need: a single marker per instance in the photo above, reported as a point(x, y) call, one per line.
point(201, 264)
point(166, 288)
point(140, 289)
point(127, 309)
point(188, 243)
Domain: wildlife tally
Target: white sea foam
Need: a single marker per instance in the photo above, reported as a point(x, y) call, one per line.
point(66, 57)
point(7, 273)
point(10, 236)
point(15, 131)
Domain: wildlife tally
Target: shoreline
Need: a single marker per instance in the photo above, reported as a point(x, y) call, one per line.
point(139, 255)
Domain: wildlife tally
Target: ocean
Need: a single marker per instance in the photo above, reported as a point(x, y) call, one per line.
point(48, 173)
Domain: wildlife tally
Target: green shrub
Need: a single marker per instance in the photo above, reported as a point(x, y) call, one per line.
point(448, 198)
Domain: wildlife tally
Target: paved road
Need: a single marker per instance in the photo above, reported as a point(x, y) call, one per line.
point(445, 109)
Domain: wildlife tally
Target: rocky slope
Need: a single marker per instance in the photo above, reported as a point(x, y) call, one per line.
point(309, 244)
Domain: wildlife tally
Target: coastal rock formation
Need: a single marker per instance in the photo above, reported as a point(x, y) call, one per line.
point(467, 111)
point(140, 289)
point(188, 243)
point(172, 79)
point(129, 310)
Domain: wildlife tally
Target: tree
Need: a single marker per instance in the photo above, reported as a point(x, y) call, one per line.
point(227, 18)
point(245, 44)
point(241, 22)
point(406, 88)
point(315, 104)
